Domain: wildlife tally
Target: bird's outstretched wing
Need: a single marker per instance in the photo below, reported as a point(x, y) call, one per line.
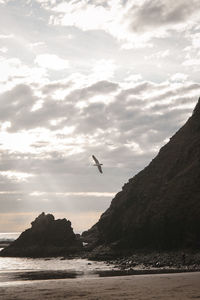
point(95, 159)
point(100, 169)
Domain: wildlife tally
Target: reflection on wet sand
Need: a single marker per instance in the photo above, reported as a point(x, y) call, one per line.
point(70, 274)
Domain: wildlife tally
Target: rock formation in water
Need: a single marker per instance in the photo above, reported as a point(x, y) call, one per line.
point(159, 208)
point(46, 237)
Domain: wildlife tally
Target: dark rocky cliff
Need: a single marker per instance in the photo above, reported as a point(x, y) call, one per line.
point(46, 237)
point(159, 208)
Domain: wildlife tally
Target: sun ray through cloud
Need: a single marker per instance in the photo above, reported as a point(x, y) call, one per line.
point(111, 78)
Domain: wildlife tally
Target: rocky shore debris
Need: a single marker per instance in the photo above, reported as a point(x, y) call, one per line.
point(162, 262)
point(146, 261)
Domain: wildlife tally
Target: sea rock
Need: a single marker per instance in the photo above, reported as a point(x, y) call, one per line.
point(46, 237)
point(159, 208)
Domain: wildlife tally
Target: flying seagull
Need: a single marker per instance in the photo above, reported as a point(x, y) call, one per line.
point(97, 164)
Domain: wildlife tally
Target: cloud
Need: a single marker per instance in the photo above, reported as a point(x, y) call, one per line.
point(51, 61)
point(84, 194)
point(16, 176)
point(45, 154)
point(195, 40)
point(82, 14)
point(104, 69)
point(192, 62)
point(6, 36)
point(133, 23)
point(55, 115)
point(10, 67)
point(179, 77)
point(153, 14)
point(16, 102)
point(3, 49)
point(13, 71)
point(158, 55)
point(111, 78)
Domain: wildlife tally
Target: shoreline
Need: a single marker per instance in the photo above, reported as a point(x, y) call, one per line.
point(130, 264)
point(177, 286)
point(46, 275)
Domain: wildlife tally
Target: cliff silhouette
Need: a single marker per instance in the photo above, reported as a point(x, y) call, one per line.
point(46, 237)
point(159, 208)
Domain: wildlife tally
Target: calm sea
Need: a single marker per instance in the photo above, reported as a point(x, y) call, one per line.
point(14, 269)
point(8, 236)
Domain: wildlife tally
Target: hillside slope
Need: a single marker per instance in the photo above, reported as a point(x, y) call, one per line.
point(159, 208)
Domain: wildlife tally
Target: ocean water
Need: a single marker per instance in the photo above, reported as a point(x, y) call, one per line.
point(8, 236)
point(14, 269)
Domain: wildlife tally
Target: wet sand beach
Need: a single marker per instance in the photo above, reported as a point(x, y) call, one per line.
point(141, 287)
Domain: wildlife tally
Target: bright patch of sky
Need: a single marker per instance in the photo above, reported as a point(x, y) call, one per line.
point(112, 78)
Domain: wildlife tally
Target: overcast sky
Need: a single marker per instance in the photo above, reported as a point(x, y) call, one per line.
point(112, 78)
